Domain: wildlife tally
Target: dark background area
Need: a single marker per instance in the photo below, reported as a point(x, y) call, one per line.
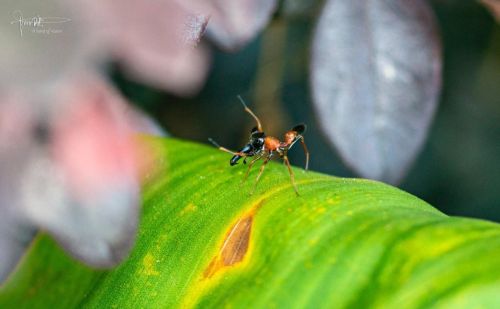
point(459, 167)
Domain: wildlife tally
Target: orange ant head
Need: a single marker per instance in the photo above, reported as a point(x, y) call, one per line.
point(290, 137)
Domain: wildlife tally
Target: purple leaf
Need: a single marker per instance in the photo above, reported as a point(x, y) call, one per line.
point(376, 78)
point(234, 23)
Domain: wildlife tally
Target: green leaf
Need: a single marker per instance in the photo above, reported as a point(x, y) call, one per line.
point(204, 241)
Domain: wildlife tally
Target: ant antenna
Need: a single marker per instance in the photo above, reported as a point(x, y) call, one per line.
point(241, 154)
point(259, 126)
point(214, 142)
point(242, 101)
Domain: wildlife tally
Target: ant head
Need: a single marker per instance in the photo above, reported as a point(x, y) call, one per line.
point(300, 128)
point(257, 138)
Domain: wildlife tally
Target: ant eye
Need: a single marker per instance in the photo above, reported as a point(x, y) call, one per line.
point(254, 130)
point(300, 128)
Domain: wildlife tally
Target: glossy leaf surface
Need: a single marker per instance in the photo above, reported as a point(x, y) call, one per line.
point(204, 242)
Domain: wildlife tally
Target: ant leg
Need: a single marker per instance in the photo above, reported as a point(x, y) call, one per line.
point(259, 126)
point(305, 151)
point(241, 154)
point(292, 177)
point(262, 167)
point(249, 168)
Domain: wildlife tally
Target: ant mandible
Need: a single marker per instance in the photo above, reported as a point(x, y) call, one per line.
point(261, 146)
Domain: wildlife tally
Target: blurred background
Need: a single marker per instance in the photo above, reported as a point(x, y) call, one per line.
point(459, 167)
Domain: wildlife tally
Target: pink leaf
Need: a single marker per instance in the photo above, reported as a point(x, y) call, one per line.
point(153, 39)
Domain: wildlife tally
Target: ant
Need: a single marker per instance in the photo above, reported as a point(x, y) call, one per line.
point(261, 146)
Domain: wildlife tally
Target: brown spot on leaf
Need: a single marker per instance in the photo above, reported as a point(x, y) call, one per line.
point(234, 248)
point(235, 245)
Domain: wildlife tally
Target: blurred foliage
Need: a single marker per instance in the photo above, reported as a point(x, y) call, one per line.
point(459, 167)
point(204, 242)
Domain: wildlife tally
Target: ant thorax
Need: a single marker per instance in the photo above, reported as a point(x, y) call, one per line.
point(271, 143)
